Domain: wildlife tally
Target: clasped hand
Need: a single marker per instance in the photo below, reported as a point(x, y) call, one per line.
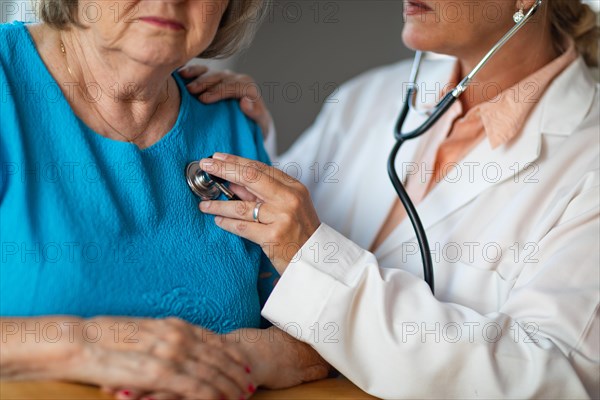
point(160, 359)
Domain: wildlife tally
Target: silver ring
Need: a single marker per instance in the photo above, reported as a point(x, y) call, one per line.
point(256, 210)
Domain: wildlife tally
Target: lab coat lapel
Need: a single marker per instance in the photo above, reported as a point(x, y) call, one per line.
point(485, 167)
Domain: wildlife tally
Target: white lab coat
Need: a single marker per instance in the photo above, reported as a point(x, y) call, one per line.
point(515, 237)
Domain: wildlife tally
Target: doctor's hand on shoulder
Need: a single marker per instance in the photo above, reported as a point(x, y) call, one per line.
point(212, 86)
point(275, 210)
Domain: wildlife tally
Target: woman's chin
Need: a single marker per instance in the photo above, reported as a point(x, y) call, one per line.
point(156, 58)
point(416, 39)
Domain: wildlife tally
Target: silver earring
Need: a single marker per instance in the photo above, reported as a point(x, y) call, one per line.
point(519, 15)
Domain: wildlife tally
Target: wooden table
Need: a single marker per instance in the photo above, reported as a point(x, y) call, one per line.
point(338, 388)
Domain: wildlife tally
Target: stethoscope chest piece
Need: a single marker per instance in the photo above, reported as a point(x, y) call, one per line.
point(204, 185)
point(201, 183)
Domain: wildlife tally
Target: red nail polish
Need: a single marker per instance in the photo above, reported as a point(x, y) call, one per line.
point(251, 388)
point(248, 370)
point(125, 393)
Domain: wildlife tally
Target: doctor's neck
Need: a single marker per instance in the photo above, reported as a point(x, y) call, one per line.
point(528, 51)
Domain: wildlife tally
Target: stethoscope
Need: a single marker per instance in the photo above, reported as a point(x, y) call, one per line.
point(208, 187)
point(205, 185)
point(432, 117)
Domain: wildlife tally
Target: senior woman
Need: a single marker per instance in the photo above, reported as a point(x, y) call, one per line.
point(110, 275)
point(507, 185)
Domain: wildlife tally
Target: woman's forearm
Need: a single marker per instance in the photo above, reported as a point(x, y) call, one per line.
point(39, 348)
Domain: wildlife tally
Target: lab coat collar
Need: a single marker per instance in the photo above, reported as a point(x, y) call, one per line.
point(568, 99)
point(560, 111)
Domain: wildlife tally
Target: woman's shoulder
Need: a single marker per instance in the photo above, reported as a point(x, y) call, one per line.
point(219, 114)
point(224, 123)
point(381, 90)
point(229, 115)
point(10, 28)
point(393, 78)
point(12, 38)
point(17, 47)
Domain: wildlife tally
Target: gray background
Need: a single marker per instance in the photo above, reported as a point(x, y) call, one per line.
point(306, 48)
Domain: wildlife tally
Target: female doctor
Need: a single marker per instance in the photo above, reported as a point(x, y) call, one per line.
point(507, 187)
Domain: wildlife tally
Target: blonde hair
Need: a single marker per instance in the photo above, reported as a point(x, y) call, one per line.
point(236, 29)
point(579, 21)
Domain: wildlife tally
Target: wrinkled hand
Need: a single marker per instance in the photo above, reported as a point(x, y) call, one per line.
point(159, 359)
point(287, 217)
point(213, 86)
point(280, 361)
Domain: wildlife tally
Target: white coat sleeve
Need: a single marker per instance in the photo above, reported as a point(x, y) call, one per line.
point(385, 331)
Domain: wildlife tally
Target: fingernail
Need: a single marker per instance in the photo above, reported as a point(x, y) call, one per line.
point(191, 85)
point(219, 156)
point(218, 220)
point(250, 105)
point(204, 205)
point(251, 388)
point(125, 393)
point(206, 161)
point(248, 370)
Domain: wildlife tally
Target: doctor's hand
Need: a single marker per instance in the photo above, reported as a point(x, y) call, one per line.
point(213, 86)
point(286, 215)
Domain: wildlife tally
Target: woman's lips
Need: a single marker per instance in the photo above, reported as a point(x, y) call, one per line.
point(163, 23)
point(415, 7)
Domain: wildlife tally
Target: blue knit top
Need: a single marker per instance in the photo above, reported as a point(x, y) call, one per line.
point(93, 226)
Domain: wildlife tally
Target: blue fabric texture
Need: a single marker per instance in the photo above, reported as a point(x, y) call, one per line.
point(92, 226)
